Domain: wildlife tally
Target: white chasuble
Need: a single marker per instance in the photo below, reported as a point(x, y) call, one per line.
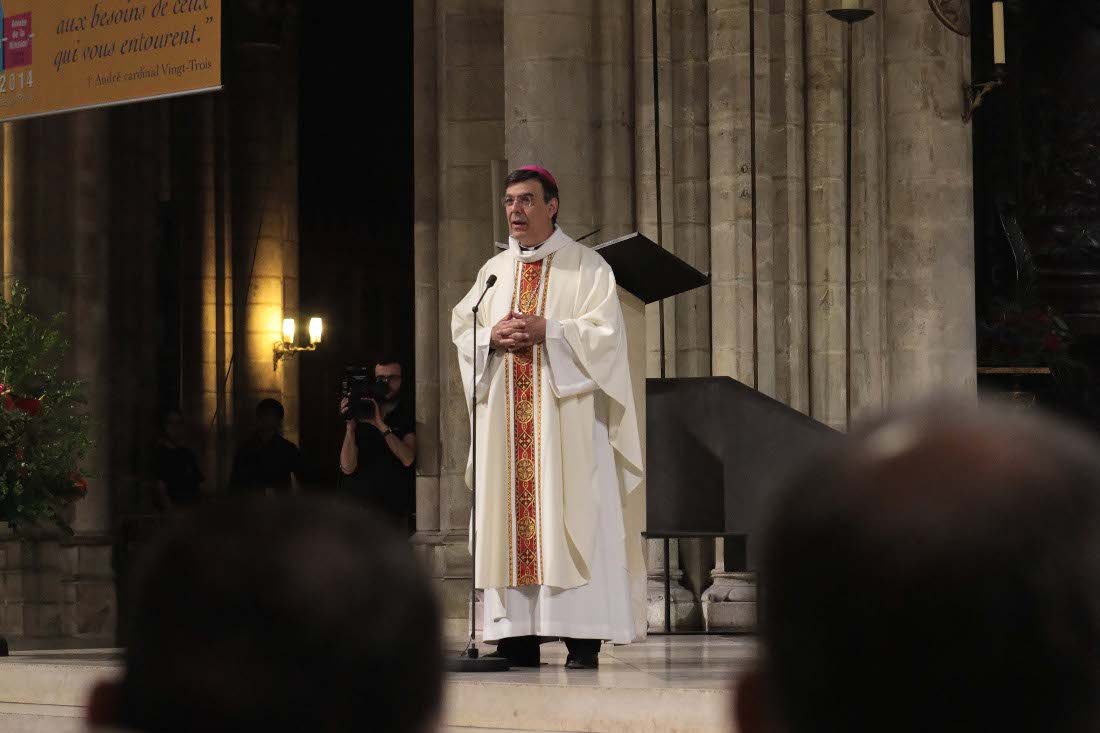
point(558, 448)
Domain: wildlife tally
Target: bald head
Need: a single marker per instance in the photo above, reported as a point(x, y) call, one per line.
point(941, 572)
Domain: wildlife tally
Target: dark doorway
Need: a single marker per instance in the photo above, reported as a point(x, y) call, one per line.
point(356, 217)
point(1037, 206)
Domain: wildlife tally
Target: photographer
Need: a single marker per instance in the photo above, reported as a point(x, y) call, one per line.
point(379, 450)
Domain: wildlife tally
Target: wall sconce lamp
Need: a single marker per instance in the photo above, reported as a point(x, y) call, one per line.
point(288, 346)
point(974, 94)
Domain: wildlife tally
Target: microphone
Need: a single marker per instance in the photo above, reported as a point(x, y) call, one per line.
point(470, 655)
point(488, 284)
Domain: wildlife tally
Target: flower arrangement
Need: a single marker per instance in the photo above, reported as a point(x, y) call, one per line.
point(43, 428)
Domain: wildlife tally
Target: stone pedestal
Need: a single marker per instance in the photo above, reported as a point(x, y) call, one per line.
point(87, 588)
point(729, 604)
point(684, 608)
point(447, 559)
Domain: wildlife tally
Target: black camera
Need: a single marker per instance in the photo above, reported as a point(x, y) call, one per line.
point(360, 387)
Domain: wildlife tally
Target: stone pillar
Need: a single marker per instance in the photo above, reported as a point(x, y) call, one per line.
point(730, 191)
point(57, 243)
point(263, 130)
point(426, 263)
point(868, 217)
point(731, 229)
point(685, 610)
point(690, 190)
point(730, 602)
point(199, 196)
point(682, 55)
point(91, 346)
point(929, 299)
point(825, 173)
point(646, 174)
point(785, 141)
point(470, 100)
point(568, 106)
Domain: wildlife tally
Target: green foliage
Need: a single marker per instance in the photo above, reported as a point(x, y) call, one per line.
point(43, 427)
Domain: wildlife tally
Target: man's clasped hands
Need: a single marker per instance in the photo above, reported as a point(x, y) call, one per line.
point(518, 331)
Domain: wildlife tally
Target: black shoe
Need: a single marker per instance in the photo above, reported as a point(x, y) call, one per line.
point(583, 653)
point(582, 661)
point(520, 651)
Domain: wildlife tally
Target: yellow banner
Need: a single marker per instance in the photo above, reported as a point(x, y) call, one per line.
point(61, 55)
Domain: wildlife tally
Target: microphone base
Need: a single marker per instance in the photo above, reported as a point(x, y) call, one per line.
point(464, 664)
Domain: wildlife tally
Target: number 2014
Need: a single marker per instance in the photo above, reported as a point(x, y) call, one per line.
point(13, 82)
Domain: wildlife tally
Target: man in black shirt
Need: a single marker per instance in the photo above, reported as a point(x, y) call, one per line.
point(267, 462)
point(176, 469)
point(377, 457)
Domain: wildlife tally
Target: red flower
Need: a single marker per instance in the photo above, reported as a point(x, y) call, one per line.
point(7, 402)
point(19, 454)
point(79, 483)
point(29, 405)
point(1051, 342)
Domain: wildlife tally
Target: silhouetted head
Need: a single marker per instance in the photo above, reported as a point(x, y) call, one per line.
point(269, 417)
point(288, 615)
point(939, 572)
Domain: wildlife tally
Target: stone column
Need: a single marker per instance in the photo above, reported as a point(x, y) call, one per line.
point(685, 610)
point(731, 211)
point(690, 190)
point(730, 191)
point(646, 172)
point(32, 601)
point(730, 603)
point(568, 106)
point(470, 97)
point(89, 593)
point(929, 298)
point(687, 191)
point(786, 144)
point(426, 262)
point(91, 346)
point(57, 243)
point(263, 130)
point(868, 210)
point(825, 172)
point(199, 198)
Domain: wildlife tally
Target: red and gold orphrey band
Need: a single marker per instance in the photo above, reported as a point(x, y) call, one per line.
point(524, 393)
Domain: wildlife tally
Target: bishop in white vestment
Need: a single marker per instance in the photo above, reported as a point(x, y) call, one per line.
point(558, 444)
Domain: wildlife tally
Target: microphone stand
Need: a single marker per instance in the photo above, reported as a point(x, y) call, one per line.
point(468, 660)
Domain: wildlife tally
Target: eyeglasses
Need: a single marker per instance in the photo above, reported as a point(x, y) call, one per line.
point(526, 200)
point(387, 377)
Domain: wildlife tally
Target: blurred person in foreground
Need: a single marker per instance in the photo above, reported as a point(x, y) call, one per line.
point(297, 615)
point(941, 572)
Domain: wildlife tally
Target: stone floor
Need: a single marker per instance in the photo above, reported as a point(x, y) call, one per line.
point(679, 683)
point(676, 684)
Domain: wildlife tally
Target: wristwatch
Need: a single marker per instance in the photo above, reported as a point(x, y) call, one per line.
point(386, 432)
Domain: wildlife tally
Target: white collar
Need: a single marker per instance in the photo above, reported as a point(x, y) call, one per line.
point(557, 240)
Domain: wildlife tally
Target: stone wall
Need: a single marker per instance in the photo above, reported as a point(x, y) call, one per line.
point(493, 83)
point(90, 201)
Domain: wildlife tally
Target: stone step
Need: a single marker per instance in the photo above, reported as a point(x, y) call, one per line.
point(674, 684)
point(591, 709)
point(20, 718)
point(668, 684)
